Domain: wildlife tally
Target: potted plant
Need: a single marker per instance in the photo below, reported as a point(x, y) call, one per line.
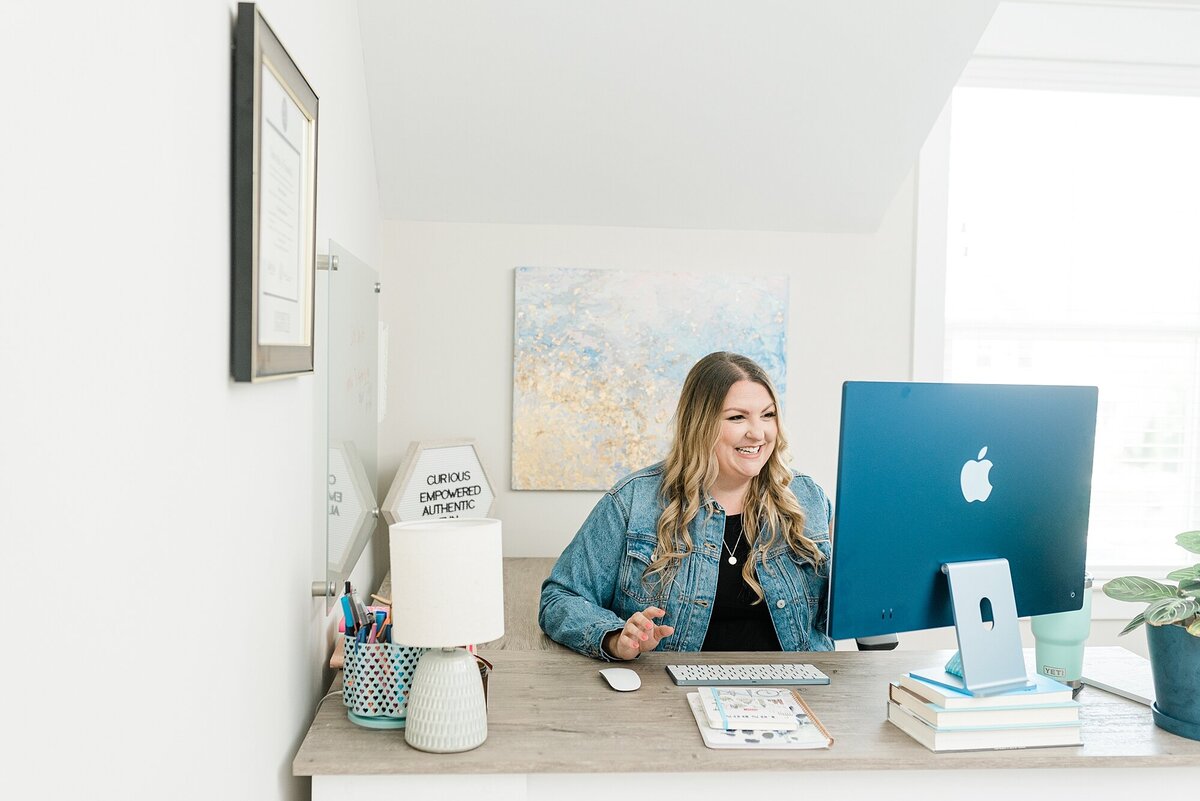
point(1173, 638)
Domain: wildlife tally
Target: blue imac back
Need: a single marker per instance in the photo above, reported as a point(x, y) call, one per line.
point(936, 473)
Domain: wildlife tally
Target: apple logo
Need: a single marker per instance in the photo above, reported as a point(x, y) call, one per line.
point(974, 478)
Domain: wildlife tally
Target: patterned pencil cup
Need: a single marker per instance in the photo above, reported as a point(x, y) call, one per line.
point(376, 677)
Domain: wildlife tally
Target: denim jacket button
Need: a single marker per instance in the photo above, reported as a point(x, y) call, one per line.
point(780, 603)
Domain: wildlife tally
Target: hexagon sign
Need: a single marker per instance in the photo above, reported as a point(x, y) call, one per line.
point(351, 509)
point(439, 479)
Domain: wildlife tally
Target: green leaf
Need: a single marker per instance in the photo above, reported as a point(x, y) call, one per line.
point(1133, 624)
point(1194, 628)
point(1189, 541)
point(1185, 573)
point(1170, 610)
point(1190, 587)
point(1136, 588)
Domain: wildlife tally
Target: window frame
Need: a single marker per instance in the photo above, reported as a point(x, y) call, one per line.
point(932, 208)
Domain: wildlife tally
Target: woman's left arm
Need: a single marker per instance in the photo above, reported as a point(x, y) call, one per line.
point(818, 512)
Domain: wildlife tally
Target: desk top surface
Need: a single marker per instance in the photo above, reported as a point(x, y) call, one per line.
point(551, 712)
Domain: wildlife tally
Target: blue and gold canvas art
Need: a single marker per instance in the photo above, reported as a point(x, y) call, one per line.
point(599, 357)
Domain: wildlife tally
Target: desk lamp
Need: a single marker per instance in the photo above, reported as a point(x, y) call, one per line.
point(447, 592)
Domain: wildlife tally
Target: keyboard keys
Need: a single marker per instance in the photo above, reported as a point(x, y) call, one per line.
point(746, 675)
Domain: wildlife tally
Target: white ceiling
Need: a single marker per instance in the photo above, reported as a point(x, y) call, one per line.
point(800, 115)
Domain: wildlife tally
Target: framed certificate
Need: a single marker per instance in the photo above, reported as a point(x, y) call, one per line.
point(274, 206)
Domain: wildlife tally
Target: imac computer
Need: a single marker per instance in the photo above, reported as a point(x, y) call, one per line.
point(964, 505)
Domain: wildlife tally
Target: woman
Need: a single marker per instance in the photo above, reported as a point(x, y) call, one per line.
point(721, 547)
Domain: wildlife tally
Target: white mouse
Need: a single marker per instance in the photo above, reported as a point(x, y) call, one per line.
point(621, 679)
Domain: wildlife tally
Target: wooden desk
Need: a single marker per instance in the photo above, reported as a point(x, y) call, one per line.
point(551, 715)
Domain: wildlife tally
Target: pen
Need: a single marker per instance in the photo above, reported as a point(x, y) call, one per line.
point(348, 614)
point(357, 611)
point(363, 618)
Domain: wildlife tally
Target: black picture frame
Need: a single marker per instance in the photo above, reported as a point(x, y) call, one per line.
point(274, 202)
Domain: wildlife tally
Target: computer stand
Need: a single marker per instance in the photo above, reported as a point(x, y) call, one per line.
point(992, 661)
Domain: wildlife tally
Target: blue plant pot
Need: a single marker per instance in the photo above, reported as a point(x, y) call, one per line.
point(1175, 665)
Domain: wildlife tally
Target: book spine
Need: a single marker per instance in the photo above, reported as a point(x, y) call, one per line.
point(722, 718)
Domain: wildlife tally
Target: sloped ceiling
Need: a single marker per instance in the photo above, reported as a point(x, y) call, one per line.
point(750, 115)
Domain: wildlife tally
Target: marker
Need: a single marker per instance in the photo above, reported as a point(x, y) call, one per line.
point(364, 617)
point(350, 605)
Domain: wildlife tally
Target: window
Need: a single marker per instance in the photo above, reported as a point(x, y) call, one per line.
point(1073, 256)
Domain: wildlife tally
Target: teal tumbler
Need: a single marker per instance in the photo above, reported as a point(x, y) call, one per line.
point(1059, 640)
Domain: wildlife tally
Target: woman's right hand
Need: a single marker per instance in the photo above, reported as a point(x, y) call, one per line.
point(639, 635)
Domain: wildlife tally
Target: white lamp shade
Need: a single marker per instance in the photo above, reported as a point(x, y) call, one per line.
point(447, 582)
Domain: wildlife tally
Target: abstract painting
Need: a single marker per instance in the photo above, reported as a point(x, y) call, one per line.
point(599, 357)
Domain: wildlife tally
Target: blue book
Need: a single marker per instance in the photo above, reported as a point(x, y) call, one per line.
point(938, 688)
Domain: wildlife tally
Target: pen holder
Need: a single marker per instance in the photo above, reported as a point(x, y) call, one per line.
point(375, 681)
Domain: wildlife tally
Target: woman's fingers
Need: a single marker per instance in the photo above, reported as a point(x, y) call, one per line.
point(639, 626)
point(644, 617)
point(656, 636)
point(647, 633)
point(640, 634)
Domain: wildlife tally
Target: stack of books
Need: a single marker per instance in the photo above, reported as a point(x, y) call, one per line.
point(944, 719)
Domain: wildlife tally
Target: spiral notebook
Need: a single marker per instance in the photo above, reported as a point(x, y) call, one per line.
point(808, 731)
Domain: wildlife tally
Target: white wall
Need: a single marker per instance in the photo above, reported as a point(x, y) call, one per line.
point(448, 299)
point(158, 519)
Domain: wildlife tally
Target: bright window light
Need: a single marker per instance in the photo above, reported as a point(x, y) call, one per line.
point(1074, 258)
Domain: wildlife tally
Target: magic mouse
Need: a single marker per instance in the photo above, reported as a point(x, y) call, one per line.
point(622, 679)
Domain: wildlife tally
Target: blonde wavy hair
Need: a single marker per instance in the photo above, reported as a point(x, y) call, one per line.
point(771, 510)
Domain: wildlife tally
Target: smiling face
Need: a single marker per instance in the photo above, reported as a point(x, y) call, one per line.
point(749, 427)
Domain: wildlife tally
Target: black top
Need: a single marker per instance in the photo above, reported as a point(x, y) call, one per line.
point(736, 625)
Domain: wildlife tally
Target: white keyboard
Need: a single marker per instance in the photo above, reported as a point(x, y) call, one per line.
point(745, 675)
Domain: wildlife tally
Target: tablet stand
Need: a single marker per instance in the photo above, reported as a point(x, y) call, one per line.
point(990, 652)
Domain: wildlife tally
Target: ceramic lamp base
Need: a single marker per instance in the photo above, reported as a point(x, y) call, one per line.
point(446, 707)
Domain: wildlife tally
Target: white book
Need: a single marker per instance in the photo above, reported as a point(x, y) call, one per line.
point(983, 739)
point(810, 734)
point(749, 707)
point(1133, 681)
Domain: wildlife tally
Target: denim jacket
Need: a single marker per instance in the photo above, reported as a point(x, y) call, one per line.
point(596, 585)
